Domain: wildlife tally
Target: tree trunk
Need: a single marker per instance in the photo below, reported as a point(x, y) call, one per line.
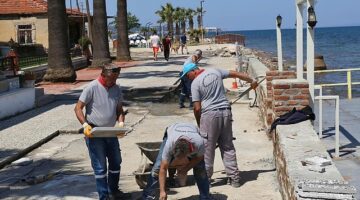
point(101, 54)
point(60, 68)
point(191, 24)
point(77, 5)
point(177, 31)
point(183, 26)
point(123, 51)
point(170, 27)
point(89, 19)
point(199, 21)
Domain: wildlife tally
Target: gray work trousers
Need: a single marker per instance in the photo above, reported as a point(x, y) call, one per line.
point(216, 128)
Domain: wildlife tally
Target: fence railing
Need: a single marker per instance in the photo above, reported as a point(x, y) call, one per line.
point(8, 63)
point(349, 83)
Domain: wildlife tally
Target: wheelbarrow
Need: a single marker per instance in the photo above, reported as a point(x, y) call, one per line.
point(149, 152)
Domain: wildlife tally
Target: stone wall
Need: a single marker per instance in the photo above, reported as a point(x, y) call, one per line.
point(295, 143)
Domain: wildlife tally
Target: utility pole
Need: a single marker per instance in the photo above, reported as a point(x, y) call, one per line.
point(202, 21)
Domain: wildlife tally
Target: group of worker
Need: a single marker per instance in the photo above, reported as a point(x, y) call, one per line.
point(185, 146)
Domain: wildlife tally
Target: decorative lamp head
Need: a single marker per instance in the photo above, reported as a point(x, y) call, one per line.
point(278, 21)
point(311, 17)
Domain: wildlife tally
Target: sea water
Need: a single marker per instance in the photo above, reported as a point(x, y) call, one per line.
point(340, 47)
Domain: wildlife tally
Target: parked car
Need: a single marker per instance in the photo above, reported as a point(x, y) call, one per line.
point(137, 40)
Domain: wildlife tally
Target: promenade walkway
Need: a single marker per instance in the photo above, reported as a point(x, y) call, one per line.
point(61, 168)
point(349, 161)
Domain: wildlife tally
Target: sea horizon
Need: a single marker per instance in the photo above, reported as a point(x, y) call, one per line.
point(340, 47)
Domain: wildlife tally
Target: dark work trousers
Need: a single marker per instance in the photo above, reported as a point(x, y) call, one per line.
point(216, 128)
point(166, 53)
point(185, 91)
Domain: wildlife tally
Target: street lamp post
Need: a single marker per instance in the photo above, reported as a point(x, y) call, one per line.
point(202, 21)
point(147, 28)
point(310, 63)
point(279, 42)
point(299, 39)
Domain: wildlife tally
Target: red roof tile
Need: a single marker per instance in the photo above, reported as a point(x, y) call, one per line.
point(28, 7)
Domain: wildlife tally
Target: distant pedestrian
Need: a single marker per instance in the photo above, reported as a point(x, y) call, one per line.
point(166, 42)
point(182, 148)
point(102, 100)
point(155, 43)
point(183, 41)
point(185, 82)
point(213, 115)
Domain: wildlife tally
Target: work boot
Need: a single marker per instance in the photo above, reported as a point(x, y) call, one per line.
point(235, 182)
point(181, 105)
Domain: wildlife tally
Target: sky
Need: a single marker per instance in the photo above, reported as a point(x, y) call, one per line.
point(249, 14)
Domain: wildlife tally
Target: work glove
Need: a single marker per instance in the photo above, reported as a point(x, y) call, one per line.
point(121, 125)
point(87, 130)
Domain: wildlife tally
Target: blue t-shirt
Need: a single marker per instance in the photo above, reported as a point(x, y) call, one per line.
point(183, 39)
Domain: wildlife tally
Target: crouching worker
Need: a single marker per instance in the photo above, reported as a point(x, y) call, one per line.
point(102, 100)
point(182, 148)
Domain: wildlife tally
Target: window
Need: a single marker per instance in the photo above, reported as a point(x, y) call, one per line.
point(25, 34)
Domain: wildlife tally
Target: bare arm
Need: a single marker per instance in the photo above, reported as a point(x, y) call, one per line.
point(120, 113)
point(197, 112)
point(79, 111)
point(162, 179)
point(244, 77)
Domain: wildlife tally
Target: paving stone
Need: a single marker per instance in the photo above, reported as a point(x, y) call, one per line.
point(318, 195)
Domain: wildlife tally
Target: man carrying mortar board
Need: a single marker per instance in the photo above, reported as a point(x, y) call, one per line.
point(102, 100)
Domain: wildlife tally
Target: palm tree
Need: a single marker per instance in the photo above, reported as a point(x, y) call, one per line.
point(183, 20)
point(190, 15)
point(161, 21)
point(89, 19)
point(177, 19)
point(101, 54)
point(123, 52)
point(167, 11)
point(199, 16)
point(60, 68)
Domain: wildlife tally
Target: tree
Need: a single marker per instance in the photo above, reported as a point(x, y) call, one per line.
point(161, 21)
point(167, 11)
point(199, 17)
point(132, 22)
point(60, 68)
point(101, 54)
point(123, 51)
point(190, 15)
point(89, 19)
point(177, 19)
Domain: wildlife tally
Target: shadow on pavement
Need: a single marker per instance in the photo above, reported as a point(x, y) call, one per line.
point(48, 177)
point(214, 196)
point(18, 118)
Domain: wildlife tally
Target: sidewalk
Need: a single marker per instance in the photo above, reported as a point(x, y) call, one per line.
point(64, 163)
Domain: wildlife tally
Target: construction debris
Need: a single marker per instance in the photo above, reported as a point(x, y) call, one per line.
point(325, 189)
